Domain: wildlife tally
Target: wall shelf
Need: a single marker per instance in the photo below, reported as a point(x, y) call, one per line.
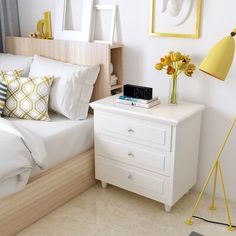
point(116, 60)
point(117, 86)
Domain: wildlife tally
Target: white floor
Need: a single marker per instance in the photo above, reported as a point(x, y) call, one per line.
point(116, 212)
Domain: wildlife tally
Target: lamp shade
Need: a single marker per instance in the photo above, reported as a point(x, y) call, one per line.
point(218, 61)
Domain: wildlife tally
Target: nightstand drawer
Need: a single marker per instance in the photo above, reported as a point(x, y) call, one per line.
point(140, 156)
point(128, 177)
point(145, 132)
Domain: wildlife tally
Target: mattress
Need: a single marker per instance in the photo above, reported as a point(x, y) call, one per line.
point(63, 138)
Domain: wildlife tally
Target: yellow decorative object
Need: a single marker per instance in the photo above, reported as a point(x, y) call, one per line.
point(218, 61)
point(217, 64)
point(44, 26)
point(174, 64)
point(35, 35)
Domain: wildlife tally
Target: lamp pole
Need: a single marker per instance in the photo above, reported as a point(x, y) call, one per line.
point(215, 167)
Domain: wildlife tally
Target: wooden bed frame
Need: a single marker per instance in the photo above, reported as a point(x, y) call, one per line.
point(53, 188)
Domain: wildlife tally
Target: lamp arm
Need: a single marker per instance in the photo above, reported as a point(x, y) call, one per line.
point(226, 139)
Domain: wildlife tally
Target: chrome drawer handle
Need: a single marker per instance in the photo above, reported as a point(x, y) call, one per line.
point(130, 176)
point(131, 131)
point(130, 154)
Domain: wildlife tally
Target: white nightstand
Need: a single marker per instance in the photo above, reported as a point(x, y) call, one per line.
point(152, 152)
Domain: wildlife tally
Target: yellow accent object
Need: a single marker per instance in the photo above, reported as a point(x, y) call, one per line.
point(27, 98)
point(44, 26)
point(215, 167)
point(218, 61)
point(189, 222)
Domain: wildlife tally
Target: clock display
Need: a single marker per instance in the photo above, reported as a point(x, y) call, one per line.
point(137, 91)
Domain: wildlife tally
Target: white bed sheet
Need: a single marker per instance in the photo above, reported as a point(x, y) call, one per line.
point(14, 184)
point(64, 139)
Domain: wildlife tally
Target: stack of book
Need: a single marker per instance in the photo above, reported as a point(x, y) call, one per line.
point(138, 102)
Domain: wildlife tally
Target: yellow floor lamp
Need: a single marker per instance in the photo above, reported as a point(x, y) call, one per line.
point(217, 64)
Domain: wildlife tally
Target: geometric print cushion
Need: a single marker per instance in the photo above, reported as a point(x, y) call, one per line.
point(14, 73)
point(27, 98)
point(3, 96)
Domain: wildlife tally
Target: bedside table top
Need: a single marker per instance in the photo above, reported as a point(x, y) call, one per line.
point(163, 112)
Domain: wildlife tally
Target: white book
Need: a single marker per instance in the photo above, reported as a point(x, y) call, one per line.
point(139, 100)
point(137, 104)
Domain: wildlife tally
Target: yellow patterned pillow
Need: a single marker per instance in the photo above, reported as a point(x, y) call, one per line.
point(12, 73)
point(27, 98)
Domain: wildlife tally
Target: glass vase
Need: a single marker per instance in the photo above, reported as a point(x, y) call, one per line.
point(173, 90)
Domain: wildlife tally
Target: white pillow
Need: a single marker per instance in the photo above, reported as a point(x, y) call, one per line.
point(72, 86)
point(9, 62)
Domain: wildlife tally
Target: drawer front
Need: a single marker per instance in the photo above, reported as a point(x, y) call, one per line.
point(140, 156)
point(136, 130)
point(131, 178)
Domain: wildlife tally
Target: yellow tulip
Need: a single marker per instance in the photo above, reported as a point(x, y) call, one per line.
point(170, 53)
point(170, 70)
point(181, 65)
point(166, 61)
point(186, 59)
point(188, 72)
point(191, 67)
point(158, 66)
point(176, 56)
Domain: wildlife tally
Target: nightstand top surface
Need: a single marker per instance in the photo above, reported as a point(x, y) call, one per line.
point(163, 112)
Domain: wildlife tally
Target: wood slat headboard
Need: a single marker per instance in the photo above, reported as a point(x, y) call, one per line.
point(68, 51)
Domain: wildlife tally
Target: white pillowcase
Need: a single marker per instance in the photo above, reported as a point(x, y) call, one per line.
point(9, 62)
point(72, 87)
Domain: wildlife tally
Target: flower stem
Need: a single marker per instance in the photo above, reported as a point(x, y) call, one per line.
point(173, 96)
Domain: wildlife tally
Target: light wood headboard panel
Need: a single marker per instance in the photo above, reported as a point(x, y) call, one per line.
point(68, 51)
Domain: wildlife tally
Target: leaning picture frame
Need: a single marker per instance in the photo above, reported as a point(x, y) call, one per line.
point(172, 18)
point(113, 9)
point(62, 17)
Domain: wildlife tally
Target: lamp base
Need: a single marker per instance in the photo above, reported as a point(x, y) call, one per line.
point(189, 222)
point(231, 228)
point(212, 208)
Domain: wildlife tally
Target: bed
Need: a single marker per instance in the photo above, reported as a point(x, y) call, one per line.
point(62, 138)
point(68, 173)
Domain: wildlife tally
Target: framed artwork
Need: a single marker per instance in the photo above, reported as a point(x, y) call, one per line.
point(104, 23)
point(73, 20)
point(175, 18)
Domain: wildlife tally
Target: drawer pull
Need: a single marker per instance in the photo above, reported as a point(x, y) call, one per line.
point(130, 154)
point(131, 131)
point(130, 176)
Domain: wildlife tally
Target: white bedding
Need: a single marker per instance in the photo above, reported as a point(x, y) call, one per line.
point(63, 138)
point(19, 151)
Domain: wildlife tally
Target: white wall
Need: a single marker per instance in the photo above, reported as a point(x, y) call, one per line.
point(140, 53)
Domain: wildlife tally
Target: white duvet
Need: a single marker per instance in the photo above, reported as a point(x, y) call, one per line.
point(19, 150)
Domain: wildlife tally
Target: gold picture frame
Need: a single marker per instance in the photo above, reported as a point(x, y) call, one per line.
point(155, 32)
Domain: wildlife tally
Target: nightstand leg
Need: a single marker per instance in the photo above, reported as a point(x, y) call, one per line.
point(168, 208)
point(104, 184)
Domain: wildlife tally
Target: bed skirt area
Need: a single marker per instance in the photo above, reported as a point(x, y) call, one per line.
point(46, 192)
